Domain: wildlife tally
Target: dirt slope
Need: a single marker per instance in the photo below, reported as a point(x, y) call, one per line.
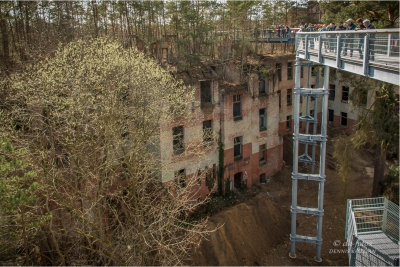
point(246, 231)
point(256, 232)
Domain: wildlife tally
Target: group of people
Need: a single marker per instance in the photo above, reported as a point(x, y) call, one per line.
point(282, 31)
point(346, 42)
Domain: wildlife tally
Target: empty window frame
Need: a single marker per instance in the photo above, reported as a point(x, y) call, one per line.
point(288, 123)
point(261, 84)
point(289, 97)
point(280, 99)
point(263, 119)
point(279, 71)
point(345, 93)
point(364, 97)
point(180, 178)
point(289, 70)
point(205, 90)
point(262, 178)
point(207, 132)
point(263, 154)
point(313, 71)
point(237, 107)
point(302, 72)
point(331, 114)
point(178, 140)
point(332, 92)
point(343, 119)
point(237, 148)
point(312, 113)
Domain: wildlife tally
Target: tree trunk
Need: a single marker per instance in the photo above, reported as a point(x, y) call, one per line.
point(4, 34)
point(95, 18)
point(379, 171)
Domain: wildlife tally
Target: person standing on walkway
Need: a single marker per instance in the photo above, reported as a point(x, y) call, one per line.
point(311, 28)
point(360, 46)
point(331, 37)
point(369, 26)
point(348, 40)
point(340, 27)
point(324, 36)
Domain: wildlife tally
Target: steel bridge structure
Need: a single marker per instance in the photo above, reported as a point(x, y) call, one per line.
point(372, 53)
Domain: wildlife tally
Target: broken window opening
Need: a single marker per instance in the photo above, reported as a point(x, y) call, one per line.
point(237, 148)
point(262, 178)
point(288, 123)
point(345, 94)
point(205, 90)
point(263, 119)
point(237, 107)
point(207, 132)
point(279, 71)
point(343, 120)
point(289, 70)
point(180, 178)
point(331, 114)
point(289, 97)
point(263, 154)
point(332, 92)
point(178, 140)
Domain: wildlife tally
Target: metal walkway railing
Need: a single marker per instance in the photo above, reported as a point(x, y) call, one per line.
point(371, 53)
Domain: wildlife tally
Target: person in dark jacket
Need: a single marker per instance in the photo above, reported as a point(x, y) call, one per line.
point(340, 27)
point(369, 26)
point(311, 28)
point(349, 39)
point(331, 37)
point(360, 47)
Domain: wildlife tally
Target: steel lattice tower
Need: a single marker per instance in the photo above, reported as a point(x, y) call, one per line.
point(309, 139)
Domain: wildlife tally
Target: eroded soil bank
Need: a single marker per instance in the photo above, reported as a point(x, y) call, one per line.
point(256, 231)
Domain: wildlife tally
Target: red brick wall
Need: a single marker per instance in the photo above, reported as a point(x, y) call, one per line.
point(347, 129)
point(250, 164)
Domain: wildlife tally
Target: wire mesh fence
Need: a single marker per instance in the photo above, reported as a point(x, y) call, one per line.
point(372, 231)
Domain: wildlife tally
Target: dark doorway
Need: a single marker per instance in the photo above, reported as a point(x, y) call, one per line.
point(237, 180)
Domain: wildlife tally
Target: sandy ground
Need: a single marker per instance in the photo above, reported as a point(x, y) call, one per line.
point(256, 231)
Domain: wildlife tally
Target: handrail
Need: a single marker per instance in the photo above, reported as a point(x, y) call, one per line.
point(354, 31)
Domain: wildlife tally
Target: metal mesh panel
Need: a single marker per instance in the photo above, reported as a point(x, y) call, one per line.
point(392, 221)
point(372, 231)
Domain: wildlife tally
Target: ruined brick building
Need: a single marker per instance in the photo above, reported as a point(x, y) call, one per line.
point(249, 108)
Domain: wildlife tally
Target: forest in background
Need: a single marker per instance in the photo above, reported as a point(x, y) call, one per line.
point(32, 30)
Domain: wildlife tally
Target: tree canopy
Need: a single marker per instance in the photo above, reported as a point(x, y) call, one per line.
point(88, 118)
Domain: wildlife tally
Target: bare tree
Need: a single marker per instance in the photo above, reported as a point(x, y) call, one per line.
point(89, 118)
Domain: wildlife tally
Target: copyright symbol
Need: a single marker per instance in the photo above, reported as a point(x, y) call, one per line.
point(336, 243)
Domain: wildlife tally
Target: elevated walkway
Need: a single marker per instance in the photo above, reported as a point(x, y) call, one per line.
point(371, 53)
